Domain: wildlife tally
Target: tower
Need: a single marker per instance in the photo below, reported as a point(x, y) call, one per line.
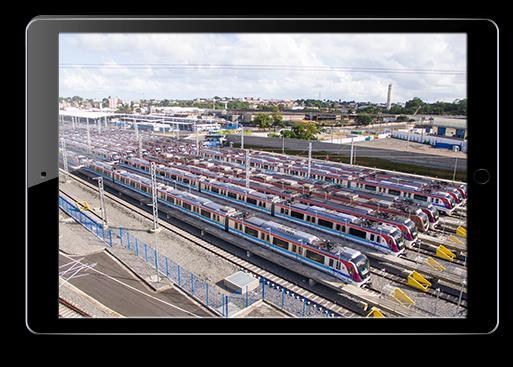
point(389, 97)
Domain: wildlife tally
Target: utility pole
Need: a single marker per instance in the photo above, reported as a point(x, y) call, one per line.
point(309, 159)
point(197, 137)
point(65, 159)
point(136, 130)
point(352, 150)
point(155, 212)
point(88, 136)
point(102, 202)
point(455, 166)
point(463, 282)
point(282, 145)
point(140, 146)
point(242, 137)
point(247, 168)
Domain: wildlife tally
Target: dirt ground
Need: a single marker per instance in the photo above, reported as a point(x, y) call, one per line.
point(403, 146)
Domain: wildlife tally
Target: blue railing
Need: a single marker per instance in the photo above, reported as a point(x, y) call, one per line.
point(212, 296)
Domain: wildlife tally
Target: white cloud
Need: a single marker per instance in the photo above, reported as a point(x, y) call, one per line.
point(400, 51)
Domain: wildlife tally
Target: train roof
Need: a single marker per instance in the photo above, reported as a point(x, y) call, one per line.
point(296, 235)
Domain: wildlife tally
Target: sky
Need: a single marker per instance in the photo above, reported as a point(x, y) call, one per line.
point(277, 65)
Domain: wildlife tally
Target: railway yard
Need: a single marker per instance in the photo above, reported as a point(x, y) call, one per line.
point(354, 241)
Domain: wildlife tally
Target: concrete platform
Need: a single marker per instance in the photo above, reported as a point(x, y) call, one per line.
point(112, 285)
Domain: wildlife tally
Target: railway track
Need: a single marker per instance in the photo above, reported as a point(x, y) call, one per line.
point(235, 260)
point(69, 310)
point(359, 295)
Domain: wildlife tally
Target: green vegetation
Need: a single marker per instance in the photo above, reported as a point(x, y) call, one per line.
point(363, 119)
point(304, 130)
point(457, 107)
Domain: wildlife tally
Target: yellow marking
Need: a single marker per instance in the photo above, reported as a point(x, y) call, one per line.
point(376, 313)
point(461, 231)
point(416, 280)
point(444, 253)
point(402, 297)
point(434, 264)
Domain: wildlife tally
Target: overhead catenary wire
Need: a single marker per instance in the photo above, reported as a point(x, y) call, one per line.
point(253, 67)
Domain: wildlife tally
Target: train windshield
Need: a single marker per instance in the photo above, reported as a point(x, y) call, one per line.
point(399, 239)
point(423, 216)
point(411, 226)
point(362, 263)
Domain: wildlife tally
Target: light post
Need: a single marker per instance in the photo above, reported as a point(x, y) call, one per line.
point(155, 214)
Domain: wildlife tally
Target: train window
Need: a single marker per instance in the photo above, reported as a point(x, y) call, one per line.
point(186, 206)
point(325, 223)
point(308, 218)
point(205, 213)
point(420, 197)
point(251, 232)
point(185, 181)
point(315, 256)
point(214, 189)
point(337, 227)
point(294, 248)
point(338, 265)
point(331, 263)
point(296, 214)
point(370, 187)
point(281, 243)
point(232, 195)
point(394, 192)
point(357, 232)
point(251, 201)
point(372, 237)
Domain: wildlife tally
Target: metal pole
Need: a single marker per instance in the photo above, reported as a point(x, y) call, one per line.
point(88, 136)
point(155, 211)
point(247, 168)
point(309, 159)
point(283, 145)
point(136, 130)
point(65, 159)
point(99, 124)
point(461, 295)
point(102, 202)
point(197, 136)
point(351, 158)
point(455, 166)
point(242, 137)
point(140, 146)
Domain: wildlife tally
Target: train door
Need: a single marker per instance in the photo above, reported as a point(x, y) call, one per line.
point(226, 223)
point(272, 209)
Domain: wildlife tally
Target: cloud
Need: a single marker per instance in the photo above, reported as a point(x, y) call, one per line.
point(398, 51)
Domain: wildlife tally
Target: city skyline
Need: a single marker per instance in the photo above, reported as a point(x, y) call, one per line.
point(343, 67)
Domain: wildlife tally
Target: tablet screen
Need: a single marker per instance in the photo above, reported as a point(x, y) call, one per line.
point(268, 175)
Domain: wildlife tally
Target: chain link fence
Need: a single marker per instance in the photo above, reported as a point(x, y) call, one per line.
point(214, 297)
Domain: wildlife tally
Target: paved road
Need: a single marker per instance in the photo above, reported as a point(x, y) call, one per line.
point(112, 285)
point(434, 161)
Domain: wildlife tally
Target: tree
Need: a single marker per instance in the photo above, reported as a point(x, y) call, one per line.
point(304, 130)
point(363, 119)
point(277, 120)
point(263, 120)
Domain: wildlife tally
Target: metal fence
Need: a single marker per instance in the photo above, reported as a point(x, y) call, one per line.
point(214, 297)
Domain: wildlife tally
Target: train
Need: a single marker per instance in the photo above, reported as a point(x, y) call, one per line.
point(344, 263)
point(379, 233)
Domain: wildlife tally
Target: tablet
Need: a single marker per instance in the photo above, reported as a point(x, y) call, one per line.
point(253, 175)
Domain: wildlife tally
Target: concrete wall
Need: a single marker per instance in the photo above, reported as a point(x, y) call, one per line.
point(434, 161)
